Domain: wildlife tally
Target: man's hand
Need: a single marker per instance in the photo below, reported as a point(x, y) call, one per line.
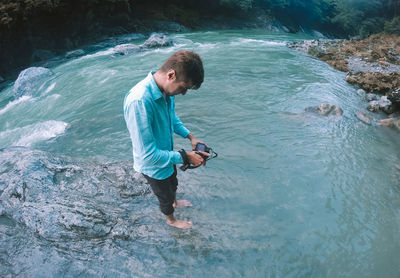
point(196, 159)
point(194, 141)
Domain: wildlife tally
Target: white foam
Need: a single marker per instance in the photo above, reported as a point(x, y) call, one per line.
point(98, 54)
point(14, 103)
point(205, 45)
point(259, 42)
point(30, 134)
point(50, 88)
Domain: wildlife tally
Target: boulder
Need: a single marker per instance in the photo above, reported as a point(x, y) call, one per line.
point(326, 109)
point(362, 116)
point(30, 80)
point(74, 53)
point(127, 48)
point(157, 40)
point(60, 199)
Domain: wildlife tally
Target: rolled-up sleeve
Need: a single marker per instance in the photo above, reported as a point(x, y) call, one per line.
point(139, 117)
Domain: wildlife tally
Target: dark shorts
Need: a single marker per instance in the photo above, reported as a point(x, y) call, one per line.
point(165, 190)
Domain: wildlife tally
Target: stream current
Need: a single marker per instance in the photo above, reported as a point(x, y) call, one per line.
point(291, 194)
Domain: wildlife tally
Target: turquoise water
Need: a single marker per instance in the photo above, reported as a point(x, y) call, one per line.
point(291, 194)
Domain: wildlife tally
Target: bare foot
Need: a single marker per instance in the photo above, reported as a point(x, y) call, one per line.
point(180, 224)
point(172, 221)
point(181, 204)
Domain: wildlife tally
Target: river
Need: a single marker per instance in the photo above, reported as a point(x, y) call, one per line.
point(291, 194)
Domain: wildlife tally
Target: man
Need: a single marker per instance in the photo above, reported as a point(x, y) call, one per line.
point(149, 110)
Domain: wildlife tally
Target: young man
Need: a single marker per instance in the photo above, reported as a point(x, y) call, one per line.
point(149, 111)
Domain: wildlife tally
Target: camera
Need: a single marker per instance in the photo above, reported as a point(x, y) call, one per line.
point(202, 147)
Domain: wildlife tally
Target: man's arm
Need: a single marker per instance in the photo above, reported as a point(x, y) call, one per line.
point(181, 130)
point(138, 118)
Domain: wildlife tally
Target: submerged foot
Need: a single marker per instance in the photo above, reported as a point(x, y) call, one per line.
point(181, 224)
point(181, 204)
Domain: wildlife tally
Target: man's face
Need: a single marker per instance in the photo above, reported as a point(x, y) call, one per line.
point(175, 86)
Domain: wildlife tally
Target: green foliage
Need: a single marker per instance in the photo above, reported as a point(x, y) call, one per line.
point(393, 26)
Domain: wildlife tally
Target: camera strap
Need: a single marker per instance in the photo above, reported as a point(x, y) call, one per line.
point(186, 164)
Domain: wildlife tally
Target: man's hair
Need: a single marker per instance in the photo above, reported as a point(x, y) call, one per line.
point(187, 66)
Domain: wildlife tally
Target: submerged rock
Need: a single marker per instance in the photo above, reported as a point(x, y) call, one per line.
point(59, 199)
point(30, 80)
point(157, 40)
point(362, 93)
point(362, 116)
point(326, 109)
point(391, 122)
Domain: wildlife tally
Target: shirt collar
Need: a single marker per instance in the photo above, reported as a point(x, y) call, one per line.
point(155, 91)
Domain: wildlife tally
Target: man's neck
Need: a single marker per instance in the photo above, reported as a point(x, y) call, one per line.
point(159, 81)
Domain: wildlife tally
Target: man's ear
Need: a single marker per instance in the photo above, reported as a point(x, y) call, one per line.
point(171, 74)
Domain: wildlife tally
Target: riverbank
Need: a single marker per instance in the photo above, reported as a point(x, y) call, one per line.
point(372, 64)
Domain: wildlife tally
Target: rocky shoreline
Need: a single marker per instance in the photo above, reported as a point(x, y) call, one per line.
point(372, 64)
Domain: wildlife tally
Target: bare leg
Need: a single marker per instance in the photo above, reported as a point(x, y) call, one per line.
point(181, 224)
point(181, 204)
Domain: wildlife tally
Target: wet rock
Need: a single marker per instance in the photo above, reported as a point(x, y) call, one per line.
point(42, 55)
point(59, 199)
point(372, 63)
point(371, 97)
point(381, 104)
point(326, 109)
point(74, 53)
point(362, 116)
point(1, 79)
point(127, 48)
point(358, 64)
point(385, 105)
point(373, 106)
point(375, 81)
point(394, 96)
point(30, 80)
point(391, 122)
point(157, 40)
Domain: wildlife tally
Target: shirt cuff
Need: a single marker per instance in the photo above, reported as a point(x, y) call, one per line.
point(185, 132)
point(177, 158)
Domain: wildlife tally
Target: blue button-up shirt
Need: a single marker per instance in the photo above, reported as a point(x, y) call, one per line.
point(151, 122)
